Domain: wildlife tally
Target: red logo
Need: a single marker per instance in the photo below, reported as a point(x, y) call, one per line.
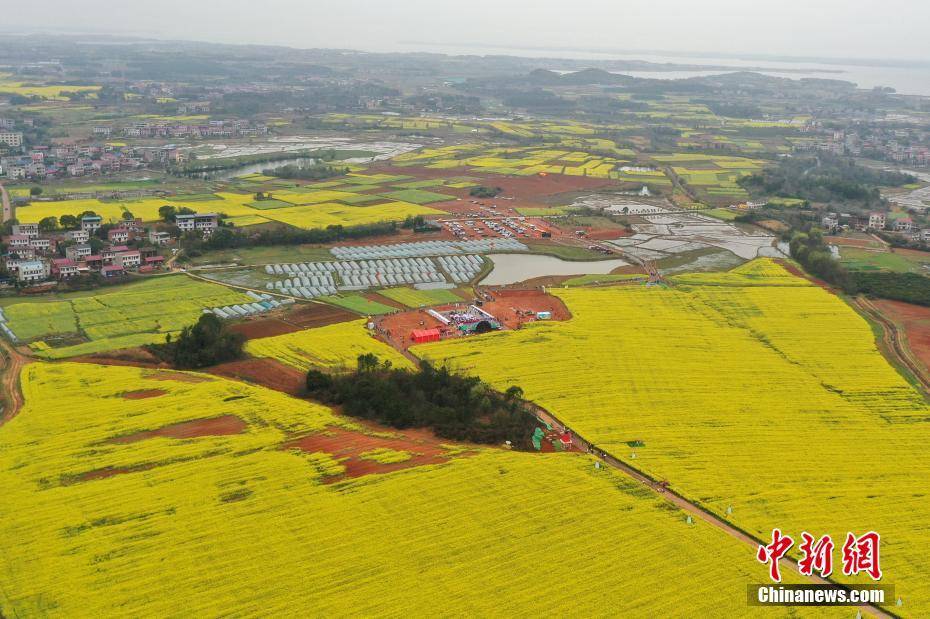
point(775, 551)
point(818, 556)
point(860, 554)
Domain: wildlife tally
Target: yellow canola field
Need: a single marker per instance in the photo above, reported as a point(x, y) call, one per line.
point(772, 400)
point(235, 206)
point(235, 526)
point(334, 346)
point(231, 204)
point(328, 214)
point(51, 92)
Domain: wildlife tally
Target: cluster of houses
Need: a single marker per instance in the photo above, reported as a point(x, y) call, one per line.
point(901, 145)
point(68, 160)
point(833, 222)
point(212, 129)
point(32, 256)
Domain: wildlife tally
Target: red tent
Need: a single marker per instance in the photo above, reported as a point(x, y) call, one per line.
point(421, 336)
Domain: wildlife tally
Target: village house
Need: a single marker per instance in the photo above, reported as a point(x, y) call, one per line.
point(32, 271)
point(112, 270)
point(78, 236)
point(199, 222)
point(30, 230)
point(128, 260)
point(11, 139)
point(15, 242)
point(77, 252)
point(877, 221)
point(64, 268)
point(830, 222)
point(118, 235)
point(158, 237)
point(905, 224)
point(94, 262)
point(91, 223)
point(43, 245)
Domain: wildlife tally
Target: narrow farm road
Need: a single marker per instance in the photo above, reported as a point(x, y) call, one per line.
point(685, 505)
point(8, 212)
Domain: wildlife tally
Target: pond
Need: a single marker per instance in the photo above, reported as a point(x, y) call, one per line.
point(255, 168)
point(513, 268)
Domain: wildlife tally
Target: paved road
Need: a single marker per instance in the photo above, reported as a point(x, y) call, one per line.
point(8, 212)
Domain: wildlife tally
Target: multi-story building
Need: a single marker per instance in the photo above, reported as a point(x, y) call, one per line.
point(90, 223)
point(128, 260)
point(43, 245)
point(199, 222)
point(78, 236)
point(77, 252)
point(118, 235)
point(30, 230)
point(877, 221)
point(15, 242)
point(64, 268)
point(32, 271)
point(158, 237)
point(11, 139)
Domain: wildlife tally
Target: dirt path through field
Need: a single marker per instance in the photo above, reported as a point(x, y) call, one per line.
point(895, 339)
point(12, 364)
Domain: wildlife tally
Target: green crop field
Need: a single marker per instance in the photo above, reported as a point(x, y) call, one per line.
point(419, 298)
point(131, 316)
point(359, 304)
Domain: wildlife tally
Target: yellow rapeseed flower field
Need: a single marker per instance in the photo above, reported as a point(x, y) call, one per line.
point(334, 346)
point(772, 400)
point(236, 525)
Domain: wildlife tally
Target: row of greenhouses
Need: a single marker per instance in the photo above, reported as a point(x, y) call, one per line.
point(427, 248)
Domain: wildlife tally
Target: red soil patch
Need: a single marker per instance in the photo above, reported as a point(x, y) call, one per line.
point(842, 240)
point(130, 357)
point(143, 394)
point(914, 254)
point(514, 308)
point(268, 373)
point(395, 328)
point(180, 377)
point(112, 472)
point(798, 272)
point(224, 425)
point(915, 320)
point(347, 446)
point(377, 298)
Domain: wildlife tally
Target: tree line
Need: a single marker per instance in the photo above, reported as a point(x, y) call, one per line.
point(453, 406)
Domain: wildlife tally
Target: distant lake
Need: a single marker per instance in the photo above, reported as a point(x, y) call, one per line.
point(906, 80)
point(513, 268)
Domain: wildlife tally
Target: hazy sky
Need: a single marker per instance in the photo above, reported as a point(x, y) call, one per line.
point(835, 28)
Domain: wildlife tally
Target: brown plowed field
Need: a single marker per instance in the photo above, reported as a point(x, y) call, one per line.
point(224, 425)
point(318, 315)
point(144, 394)
point(347, 446)
point(268, 373)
